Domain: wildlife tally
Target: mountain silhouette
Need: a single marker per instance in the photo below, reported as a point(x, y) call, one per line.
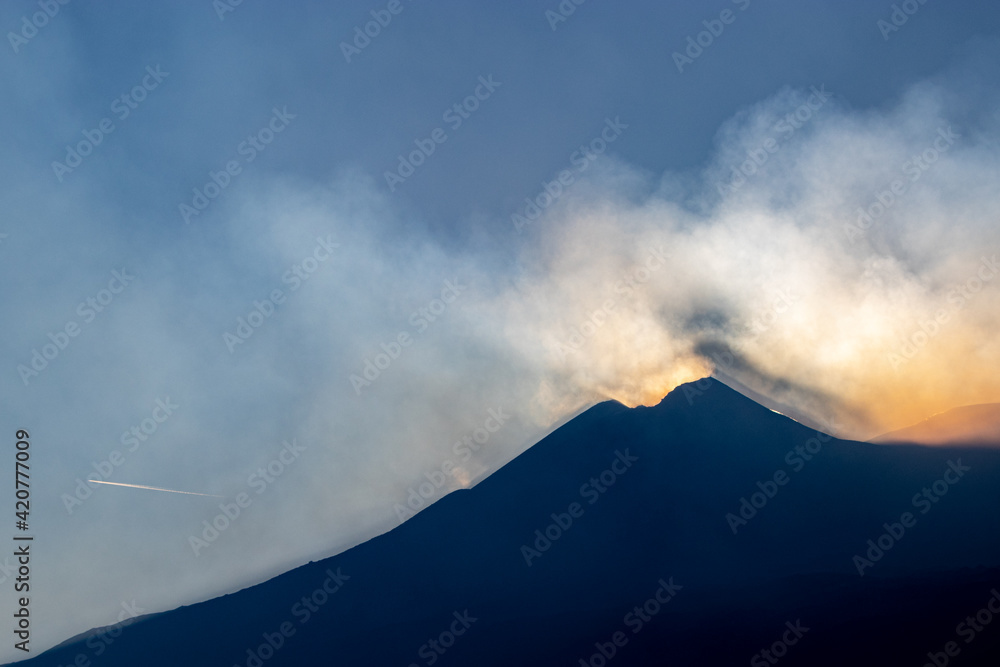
point(967, 425)
point(705, 530)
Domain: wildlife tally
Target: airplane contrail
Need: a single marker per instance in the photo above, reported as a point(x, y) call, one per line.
point(154, 488)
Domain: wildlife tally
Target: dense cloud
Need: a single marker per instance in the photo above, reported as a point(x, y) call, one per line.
point(844, 263)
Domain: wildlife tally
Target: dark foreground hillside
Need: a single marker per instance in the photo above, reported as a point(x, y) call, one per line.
point(623, 538)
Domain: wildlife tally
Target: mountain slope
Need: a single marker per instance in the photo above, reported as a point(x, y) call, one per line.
point(967, 425)
point(631, 505)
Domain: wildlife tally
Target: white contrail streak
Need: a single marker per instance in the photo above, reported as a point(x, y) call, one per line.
point(154, 488)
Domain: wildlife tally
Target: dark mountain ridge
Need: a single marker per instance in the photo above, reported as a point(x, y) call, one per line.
point(966, 425)
point(728, 519)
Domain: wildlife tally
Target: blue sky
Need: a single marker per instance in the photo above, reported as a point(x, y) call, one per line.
point(315, 201)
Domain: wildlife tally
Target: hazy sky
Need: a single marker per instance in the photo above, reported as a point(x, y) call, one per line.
point(572, 213)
